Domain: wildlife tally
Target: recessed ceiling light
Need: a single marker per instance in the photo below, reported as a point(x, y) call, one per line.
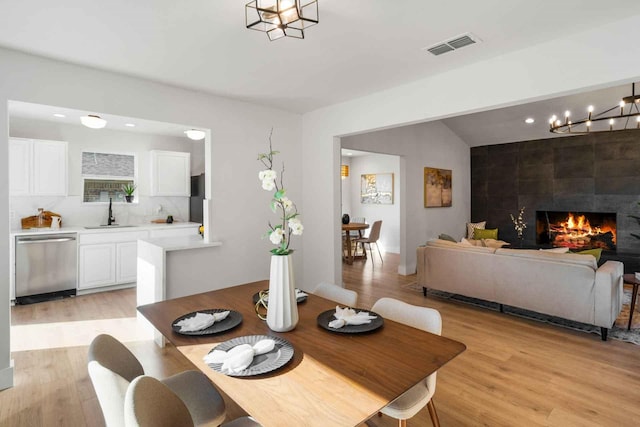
point(349, 153)
point(529, 120)
point(59, 115)
point(130, 125)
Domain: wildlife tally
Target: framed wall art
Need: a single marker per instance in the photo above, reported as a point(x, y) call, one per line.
point(437, 188)
point(376, 189)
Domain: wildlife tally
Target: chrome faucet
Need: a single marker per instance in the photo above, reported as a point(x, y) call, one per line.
point(111, 220)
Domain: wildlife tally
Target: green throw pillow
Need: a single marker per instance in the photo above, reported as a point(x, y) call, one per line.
point(447, 237)
point(490, 233)
point(595, 252)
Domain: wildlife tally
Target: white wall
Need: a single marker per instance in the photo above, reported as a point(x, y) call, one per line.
point(76, 213)
point(239, 131)
point(388, 214)
point(428, 144)
point(579, 62)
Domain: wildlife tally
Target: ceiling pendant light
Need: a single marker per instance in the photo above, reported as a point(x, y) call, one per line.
point(281, 18)
point(625, 115)
point(195, 134)
point(92, 121)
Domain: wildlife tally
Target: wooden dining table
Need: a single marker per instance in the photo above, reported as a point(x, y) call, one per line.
point(333, 379)
point(347, 228)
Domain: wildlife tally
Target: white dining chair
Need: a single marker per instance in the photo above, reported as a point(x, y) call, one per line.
point(150, 403)
point(112, 367)
point(414, 399)
point(336, 293)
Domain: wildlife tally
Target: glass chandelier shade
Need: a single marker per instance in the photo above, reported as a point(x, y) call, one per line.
point(281, 18)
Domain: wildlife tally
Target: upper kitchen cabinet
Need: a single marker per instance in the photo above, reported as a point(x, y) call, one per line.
point(37, 167)
point(170, 173)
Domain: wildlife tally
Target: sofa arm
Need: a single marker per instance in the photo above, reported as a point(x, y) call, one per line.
point(421, 264)
point(608, 293)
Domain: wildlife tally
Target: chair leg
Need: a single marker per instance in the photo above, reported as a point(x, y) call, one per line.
point(402, 423)
point(434, 415)
point(379, 253)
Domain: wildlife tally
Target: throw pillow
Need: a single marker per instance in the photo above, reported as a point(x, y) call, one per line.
point(560, 250)
point(595, 252)
point(447, 237)
point(493, 243)
point(472, 226)
point(480, 233)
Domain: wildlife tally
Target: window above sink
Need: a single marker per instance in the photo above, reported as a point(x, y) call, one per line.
point(105, 174)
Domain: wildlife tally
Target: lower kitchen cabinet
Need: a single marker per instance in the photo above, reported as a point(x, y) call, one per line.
point(97, 265)
point(126, 262)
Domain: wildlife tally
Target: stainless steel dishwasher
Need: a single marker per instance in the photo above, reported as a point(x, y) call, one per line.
point(46, 267)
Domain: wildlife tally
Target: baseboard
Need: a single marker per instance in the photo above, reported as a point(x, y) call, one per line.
point(6, 376)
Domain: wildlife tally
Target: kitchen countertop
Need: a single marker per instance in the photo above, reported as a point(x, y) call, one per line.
point(82, 229)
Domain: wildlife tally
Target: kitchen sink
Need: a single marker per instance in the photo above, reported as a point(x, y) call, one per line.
point(97, 227)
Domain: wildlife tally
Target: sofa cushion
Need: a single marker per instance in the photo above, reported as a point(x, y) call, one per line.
point(493, 243)
point(491, 233)
point(450, 245)
point(446, 237)
point(595, 252)
point(472, 226)
point(568, 258)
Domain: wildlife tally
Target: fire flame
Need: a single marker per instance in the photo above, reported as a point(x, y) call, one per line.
point(577, 227)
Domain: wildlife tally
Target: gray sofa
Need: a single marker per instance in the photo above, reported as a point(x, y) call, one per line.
point(569, 286)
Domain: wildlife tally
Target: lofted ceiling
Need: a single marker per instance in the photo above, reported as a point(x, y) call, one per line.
point(359, 47)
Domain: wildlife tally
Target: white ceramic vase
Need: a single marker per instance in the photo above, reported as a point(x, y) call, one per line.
point(282, 309)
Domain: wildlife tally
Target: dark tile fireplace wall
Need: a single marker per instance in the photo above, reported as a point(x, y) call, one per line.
point(591, 173)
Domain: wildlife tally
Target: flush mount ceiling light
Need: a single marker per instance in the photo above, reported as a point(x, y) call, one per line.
point(281, 18)
point(195, 134)
point(92, 121)
point(625, 115)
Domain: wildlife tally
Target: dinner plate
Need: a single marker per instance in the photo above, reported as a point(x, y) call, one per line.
point(256, 297)
point(231, 321)
point(327, 316)
point(261, 364)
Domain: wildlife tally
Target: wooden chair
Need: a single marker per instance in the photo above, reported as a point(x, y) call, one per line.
point(373, 237)
point(150, 403)
point(112, 367)
point(336, 293)
point(414, 399)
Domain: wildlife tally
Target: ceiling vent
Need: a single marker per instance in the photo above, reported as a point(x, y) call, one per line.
point(453, 44)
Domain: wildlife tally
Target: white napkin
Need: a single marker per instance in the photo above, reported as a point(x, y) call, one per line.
point(348, 316)
point(201, 321)
point(239, 357)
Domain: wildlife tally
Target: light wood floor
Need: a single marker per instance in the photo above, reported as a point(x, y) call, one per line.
point(515, 372)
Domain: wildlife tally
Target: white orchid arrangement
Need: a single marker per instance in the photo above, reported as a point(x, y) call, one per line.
point(279, 234)
point(518, 223)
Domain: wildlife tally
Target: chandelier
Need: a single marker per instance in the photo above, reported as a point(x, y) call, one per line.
point(281, 18)
point(625, 115)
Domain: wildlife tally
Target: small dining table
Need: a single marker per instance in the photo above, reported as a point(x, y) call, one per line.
point(347, 228)
point(333, 378)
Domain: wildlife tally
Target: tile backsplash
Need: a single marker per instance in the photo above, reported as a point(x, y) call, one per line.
point(76, 213)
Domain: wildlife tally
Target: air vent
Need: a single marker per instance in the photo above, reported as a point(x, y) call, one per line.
point(453, 44)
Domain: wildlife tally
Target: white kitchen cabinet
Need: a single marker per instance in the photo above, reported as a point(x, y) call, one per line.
point(170, 173)
point(126, 262)
point(108, 258)
point(97, 265)
point(175, 232)
point(37, 167)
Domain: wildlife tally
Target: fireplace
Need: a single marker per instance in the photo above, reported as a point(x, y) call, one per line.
point(576, 230)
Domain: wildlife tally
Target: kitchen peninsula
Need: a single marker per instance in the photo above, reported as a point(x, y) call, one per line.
point(162, 270)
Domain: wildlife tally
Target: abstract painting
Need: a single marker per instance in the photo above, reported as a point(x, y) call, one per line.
point(376, 189)
point(437, 188)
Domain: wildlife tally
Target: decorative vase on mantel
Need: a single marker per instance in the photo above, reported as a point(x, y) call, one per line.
point(282, 309)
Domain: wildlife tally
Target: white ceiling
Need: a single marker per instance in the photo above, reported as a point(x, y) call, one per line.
point(359, 46)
